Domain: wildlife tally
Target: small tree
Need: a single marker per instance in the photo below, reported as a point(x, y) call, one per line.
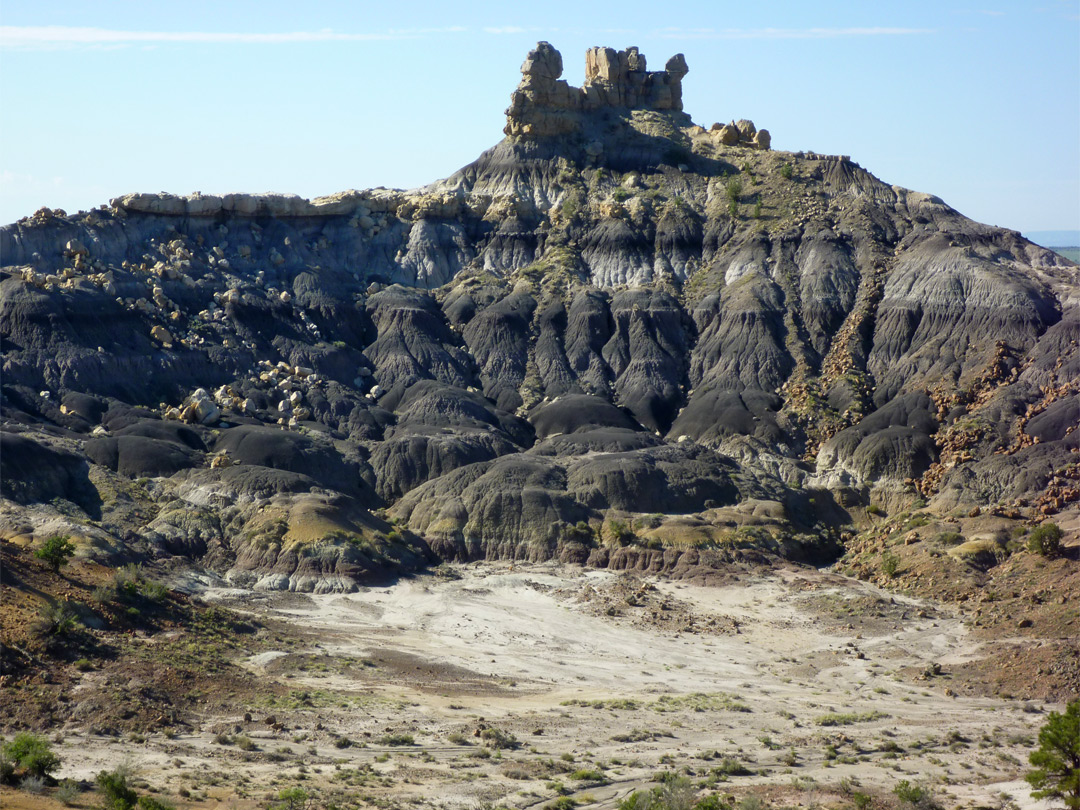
point(1057, 761)
point(56, 551)
point(33, 754)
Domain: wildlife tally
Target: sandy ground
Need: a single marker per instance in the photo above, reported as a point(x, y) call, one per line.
point(798, 680)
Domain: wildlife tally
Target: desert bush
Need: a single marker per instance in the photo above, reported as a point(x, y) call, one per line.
point(293, 798)
point(116, 794)
point(732, 767)
point(848, 718)
point(587, 775)
point(31, 753)
point(397, 739)
point(619, 532)
point(32, 784)
point(67, 792)
point(890, 564)
point(950, 538)
point(245, 743)
point(497, 738)
point(675, 793)
point(1045, 540)
point(150, 803)
point(916, 796)
point(786, 171)
point(56, 551)
point(54, 619)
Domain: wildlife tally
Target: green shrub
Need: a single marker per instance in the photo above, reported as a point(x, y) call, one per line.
point(56, 551)
point(397, 739)
point(293, 798)
point(786, 171)
point(950, 538)
point(890, 564)
point(1045, 540)
point(914, 795)
point(245, 743)
point(116, 794)
point(150, 803)
point(733, 767)
point(32, 753)
point(734, 189)
point(497, 738)
point(587, 775)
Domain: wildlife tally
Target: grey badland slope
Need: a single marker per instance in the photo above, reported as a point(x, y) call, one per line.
point(616, 336)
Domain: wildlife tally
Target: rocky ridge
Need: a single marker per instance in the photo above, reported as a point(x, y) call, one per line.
point(615, 334)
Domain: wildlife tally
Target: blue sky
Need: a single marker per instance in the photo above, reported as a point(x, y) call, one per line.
point(977, 102)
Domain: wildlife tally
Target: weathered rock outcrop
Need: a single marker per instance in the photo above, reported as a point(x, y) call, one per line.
point(613, 317)
point(545, 105)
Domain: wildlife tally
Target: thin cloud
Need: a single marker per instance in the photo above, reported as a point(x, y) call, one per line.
point(786, 33)
point(51, 36)
point(506, 29)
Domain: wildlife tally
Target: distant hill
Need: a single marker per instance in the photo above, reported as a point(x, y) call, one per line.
point(1070, 253)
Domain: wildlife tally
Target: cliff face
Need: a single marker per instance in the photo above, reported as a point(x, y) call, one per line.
point(613, 328)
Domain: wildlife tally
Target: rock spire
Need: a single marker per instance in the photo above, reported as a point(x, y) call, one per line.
point(543, 104)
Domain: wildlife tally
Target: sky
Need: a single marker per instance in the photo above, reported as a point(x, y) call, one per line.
point(977, 102)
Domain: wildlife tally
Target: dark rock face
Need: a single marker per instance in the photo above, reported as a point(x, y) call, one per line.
point(613, 317)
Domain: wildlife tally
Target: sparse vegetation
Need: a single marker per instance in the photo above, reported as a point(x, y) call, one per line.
point(1045, 540)
point(56, 551)
point(1057, 760)
point(116, 794)
point(916, 796)
point(849, 718)
point(32, 754)
point(397, 739)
